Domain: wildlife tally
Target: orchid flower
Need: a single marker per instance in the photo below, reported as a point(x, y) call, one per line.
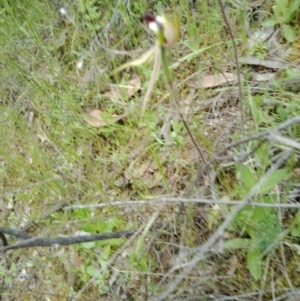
point(167, 33)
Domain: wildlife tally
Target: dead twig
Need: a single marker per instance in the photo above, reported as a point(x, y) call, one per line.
point(236, 63)
point(264, 135)
point(199, 252)
point(64, 241)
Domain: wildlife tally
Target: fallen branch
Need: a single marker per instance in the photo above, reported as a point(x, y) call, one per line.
point(66, 240)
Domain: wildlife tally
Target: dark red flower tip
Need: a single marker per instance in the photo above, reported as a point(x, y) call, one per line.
point(148, 17)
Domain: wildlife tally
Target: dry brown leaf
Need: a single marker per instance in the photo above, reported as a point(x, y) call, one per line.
point(147, 170)
point(94, 118)
point(133, 86)
point(259, 36)
point(124, 91)
point(269, 63)
point(264, 76)
point(210, 81)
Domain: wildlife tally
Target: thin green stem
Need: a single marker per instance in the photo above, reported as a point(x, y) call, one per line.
point(165, 67)
point(172, 91)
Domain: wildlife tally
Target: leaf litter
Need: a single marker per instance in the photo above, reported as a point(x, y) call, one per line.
point(98, 118)
point(211, 81)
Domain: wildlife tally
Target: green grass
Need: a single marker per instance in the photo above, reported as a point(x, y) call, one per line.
point(49, 153)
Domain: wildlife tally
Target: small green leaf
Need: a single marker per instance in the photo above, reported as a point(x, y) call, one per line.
point(291, 11)
point(256, 109)
point(91, 270)
point(89, 245)
point(266, 223)
point(269, 22)
point(275, 178)
point(254, 262)
point(252, 231)
point(288, 33)
point(246, 176)
point(81, 213)
point(105, 253)
point(264, 155)
point(281, 7)
point(295, 232)
point(7, 6)
point(115, 242)
point(237, 243)
point(243, 216)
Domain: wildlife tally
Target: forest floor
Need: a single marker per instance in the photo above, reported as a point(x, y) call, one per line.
point(207, 188)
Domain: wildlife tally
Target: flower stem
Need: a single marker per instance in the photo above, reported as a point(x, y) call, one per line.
point(173, 96)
